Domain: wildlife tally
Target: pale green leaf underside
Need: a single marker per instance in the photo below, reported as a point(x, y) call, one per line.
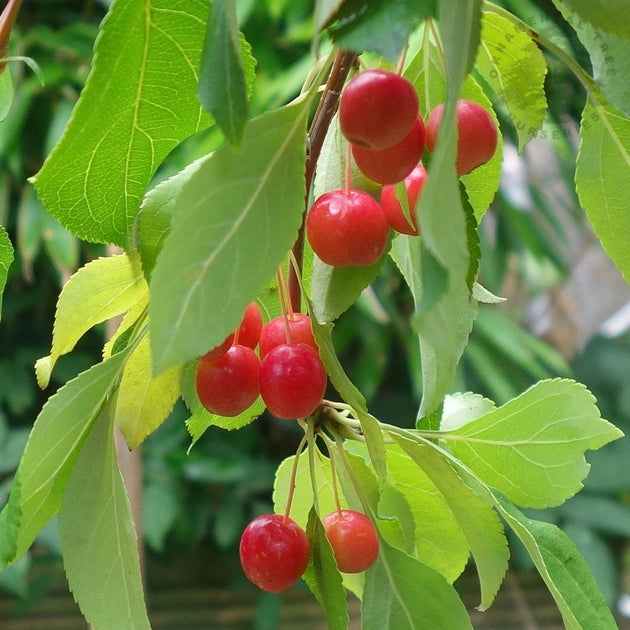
point(235, 206)
point(563, 569)
point(54, 443)
point(102, 289)
point(512, 64)
point(133, 111)
point(532, 448)
point(602, 179)
point(98, 538)
point(607, 15)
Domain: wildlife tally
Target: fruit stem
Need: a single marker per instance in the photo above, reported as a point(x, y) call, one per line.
point(285, 302)
point(310, 435)
point(344, 60)
point(401, 59)
point(298, 452)
point(7, 19)
point(333, 470)
point(348, 174)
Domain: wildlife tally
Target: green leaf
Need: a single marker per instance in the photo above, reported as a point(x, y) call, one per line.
point(323, 12)
point(53, 445)
point(101, 290)
point(403, 593)
point(144, 401)
point(439, 540)
point(563, 569)
point(476, 519)
point(222, 82)
point(6, 258)
point(511, 63)
point(98, 537)
point(323, 577)
point(609, 54)
point(380, 26)
point(127, 119)
point(607, 15)
point(460, 27)
point(532, 448)
point(154, 218)
point(234, 206)
point(6, 94)
point(602, 178)
point(462, 408)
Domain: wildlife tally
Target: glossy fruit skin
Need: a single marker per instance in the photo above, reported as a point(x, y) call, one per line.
point(377, 109)
point(391, 165)
point(274, 333)
point(251, 326)
point(353, 539)
point(414, 183)
point(347, 228)
point(477, 134)
point(274, 552)
point(228, 385)
point(292, 381)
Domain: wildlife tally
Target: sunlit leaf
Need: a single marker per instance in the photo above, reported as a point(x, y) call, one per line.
point(98, 537)
point(129, 117)
point(513, 65)
point(532, 448)
point(235, 206)
point(102, 289)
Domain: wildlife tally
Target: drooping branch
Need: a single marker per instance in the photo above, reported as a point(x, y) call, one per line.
point(322, 118)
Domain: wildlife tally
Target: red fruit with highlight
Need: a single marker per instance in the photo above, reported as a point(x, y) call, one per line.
point(274, 552)
point(377, 109)
point(353, 539)
point(391, 165)
point(347, 228)
point(292, 381)
point(228, 385)
point(477, 134)
point(274, 332)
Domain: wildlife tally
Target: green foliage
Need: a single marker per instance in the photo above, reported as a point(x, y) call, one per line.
point(200, 245)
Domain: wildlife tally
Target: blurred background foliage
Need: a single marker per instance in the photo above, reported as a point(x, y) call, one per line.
point(534, 240)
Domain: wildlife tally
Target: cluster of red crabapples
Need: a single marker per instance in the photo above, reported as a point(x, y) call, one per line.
point(287, 372)
point(379, 117)
point(274, 550)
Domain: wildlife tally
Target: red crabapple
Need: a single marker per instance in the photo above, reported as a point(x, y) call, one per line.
point(274, 332)
point(377, 109)
point(250, 326)
point(347, 228)
point(477, 134)
point(391, 165)
point(353, 539)
point(228, 385)
point(274, 552)
point(414, 183)
point(292, 380)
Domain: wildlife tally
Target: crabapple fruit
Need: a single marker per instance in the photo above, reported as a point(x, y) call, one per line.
point(248, 333)
point(229, 384)
point(353, 539)
point(414, 183)
point(274, 332)
point(477, 134)
point(274, 552)
point(377, 109)
point(292, 380)
point(393, 164)
point(347, 228)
